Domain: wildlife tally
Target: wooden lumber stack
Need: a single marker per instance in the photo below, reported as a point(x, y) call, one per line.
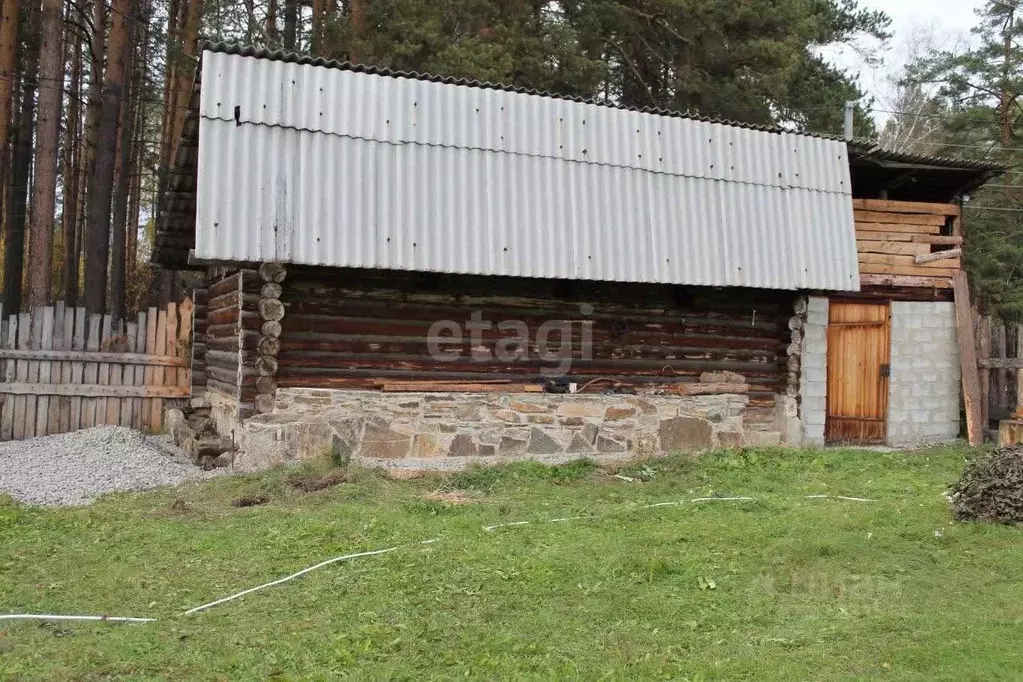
point(907, 244)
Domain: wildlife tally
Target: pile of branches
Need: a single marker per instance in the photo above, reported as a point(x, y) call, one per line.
point(991, 488)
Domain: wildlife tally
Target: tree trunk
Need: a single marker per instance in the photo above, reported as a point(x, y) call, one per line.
point(21, 165)
point(97, 48)
point(319, 19)
point(120, 198)
point(271, 22)
point(97, 222)
point(8, 48)
point(173, 10)
point(184, 71)
point(44, 186)
point(290, 24)
point(72, 173)
point(358, 9)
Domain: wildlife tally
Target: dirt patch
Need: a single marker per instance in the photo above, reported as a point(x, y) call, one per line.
point(250, 501)
point(455, 497)
point(308, 484)
point(179, 506)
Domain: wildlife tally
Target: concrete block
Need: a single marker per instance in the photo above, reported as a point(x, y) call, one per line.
point(817, 304)
point(813, 375)
point(814, 389)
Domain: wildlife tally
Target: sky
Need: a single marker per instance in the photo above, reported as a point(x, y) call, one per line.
point(948, 21)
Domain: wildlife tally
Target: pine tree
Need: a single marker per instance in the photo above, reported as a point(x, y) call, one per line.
point(44, 186)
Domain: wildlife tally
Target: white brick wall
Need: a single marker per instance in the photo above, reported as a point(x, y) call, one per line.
point(923, 396)
point(813, 375)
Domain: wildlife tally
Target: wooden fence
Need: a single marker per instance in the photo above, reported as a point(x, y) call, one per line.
point(1000, 361)
point(62, 369)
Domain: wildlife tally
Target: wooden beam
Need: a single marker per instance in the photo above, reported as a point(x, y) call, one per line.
point(1000, 363)
point(88, 356)
point(907, 207)
point(898, 218)
point(968, 359)
point(898, 248)
point(936, 239)
point(939, 255)
point(94, 390)
point(910, 270)
point(905, 281)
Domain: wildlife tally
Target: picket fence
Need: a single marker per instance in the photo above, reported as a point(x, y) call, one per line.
point(62, 369)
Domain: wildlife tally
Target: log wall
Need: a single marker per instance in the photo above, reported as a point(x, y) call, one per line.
point(354, 329)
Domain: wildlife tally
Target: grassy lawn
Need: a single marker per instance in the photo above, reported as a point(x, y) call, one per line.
point(802, 588)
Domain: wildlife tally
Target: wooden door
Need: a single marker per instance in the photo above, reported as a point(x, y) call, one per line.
point(859, 344)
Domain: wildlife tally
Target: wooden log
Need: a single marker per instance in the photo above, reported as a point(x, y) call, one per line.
point(795, 322)
point(266, 385)
point(939, 255)
point(712, 389)
point(468, 387)
point(264, 404)
point(269, 345)
point(235, 298)
point(968, 360)
point(271, 328)
point(1019, 373)
point(266, 366)
point(272, 272)
point(221, 287)
point(271, 309)
point(271, 290)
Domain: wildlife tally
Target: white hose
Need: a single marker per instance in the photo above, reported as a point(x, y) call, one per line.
point(286, 578)
point(50, 616)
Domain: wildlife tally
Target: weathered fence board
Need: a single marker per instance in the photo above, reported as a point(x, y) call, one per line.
point(62, 369)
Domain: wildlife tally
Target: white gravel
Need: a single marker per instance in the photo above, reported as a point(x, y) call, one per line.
point(74, 468)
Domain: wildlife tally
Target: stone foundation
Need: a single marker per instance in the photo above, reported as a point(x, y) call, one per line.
point(459, 427)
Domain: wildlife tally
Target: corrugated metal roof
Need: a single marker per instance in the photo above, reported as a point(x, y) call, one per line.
point(868, 151)
point(337, 167)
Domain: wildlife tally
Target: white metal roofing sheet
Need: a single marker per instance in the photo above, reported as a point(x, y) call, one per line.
point(323, 166)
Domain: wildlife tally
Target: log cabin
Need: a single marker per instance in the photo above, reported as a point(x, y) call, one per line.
point(400, 266)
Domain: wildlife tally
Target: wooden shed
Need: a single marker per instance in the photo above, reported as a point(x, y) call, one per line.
point(404, 267)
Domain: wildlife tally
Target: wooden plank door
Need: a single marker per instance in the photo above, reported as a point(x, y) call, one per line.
point(859, 351)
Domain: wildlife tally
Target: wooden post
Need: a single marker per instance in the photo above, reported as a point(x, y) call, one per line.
point(1018, 414)
point(984, 351)
point(968, 359)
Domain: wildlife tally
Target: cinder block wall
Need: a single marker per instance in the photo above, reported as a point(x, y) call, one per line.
point(813, 380)
point(923, 398)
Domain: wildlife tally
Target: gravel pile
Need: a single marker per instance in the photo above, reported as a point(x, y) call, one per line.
point(74, 468)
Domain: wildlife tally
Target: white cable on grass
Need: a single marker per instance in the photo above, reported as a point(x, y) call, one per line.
point(50, 616)
point(854, 499)
point(286, 578)
point(662, 504)
point(502, 525)
point(720, 499)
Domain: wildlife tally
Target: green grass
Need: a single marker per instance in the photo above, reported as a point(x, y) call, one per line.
point(803, 589)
